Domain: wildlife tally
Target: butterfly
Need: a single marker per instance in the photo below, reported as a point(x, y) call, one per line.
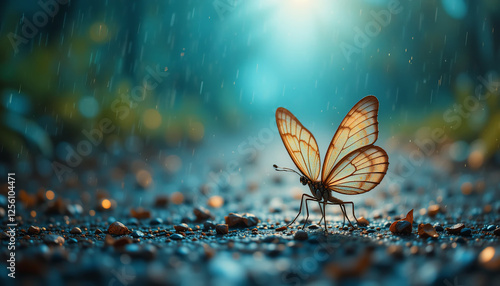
point(352, 164)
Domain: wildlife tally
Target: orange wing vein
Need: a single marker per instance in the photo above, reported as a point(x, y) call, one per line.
point(299, 143)
point(359, 171)
point(358, 129)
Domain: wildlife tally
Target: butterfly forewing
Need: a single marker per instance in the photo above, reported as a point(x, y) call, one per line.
point(359, 171)
point(358, 129)
point(299, 143)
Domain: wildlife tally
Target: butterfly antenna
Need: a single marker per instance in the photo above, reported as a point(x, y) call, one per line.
point(280, 169)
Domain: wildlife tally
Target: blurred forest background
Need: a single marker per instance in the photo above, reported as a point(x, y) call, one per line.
point(200, 77)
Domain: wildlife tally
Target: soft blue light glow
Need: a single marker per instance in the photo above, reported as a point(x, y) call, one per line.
point(88, 106)
point(455, 8)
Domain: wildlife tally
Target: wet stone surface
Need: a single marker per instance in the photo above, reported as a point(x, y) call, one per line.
point(244, 239)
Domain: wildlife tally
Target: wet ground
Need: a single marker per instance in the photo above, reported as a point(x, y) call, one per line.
point(168, 234)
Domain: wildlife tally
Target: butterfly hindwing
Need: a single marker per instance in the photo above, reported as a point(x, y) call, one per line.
point(358, 129)
point(359, 171)
point(299, 143)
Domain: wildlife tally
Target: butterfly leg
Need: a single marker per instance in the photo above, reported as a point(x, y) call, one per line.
point(300, 210)
point(345, 214)
point(352, 204)
point(311, 198)
point(322, 213)
point(342, 208)
point(324, 217)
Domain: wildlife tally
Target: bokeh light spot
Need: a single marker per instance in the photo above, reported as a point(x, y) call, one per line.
point(106, 204)
point(152, 119)
point(88, 106)
point(177, 198)
point(144, 178)
point(216, 201)
point(50, 195)
point(99, 32)
point(173, 163)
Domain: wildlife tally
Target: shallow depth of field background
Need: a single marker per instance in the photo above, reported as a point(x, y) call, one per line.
point(433, 65)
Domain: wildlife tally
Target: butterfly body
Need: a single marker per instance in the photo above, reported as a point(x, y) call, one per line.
point(352, 164)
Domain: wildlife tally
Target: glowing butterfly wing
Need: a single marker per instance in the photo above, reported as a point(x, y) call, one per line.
point(358, 129)
point(299, 143)
point(359, 171)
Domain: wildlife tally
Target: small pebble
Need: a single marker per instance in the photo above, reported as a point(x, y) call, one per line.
point(137, 234)
point(371, 230)
point(363, 221)
point(202, 213)
point(497, 232)
point(221, 229)
point(455, 229)
point(177, 236)
point(118, 228)
point(156, 221)
point(181, 227)
point(403, 227)
point(465, 232)
point(283, 228)
point(439, 228)
point(98, 231)
point(300, 235)
point(241, 220)
point(313, 226)
point(491, 228)
point(51, 239)
point(34, 230)
point(75, 230)
point(208, 225)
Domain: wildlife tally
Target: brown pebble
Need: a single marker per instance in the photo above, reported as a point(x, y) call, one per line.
point(118, 228)
point(222, 229)
point(497, 232)
point(75, 230)
point(181, 227)
point(455, 229)
point(241, 220)
point(427, 230)
point(283, 228)
point(363, 221)
point(202, 213)
point(34, 230)
point(433, 210)
point(98, 231)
